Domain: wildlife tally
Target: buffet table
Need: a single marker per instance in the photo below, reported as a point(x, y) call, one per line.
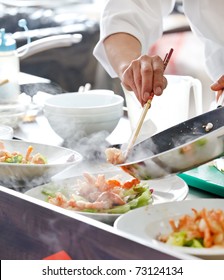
point(33, 229)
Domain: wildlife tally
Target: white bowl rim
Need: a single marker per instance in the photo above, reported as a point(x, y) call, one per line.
point(6, 130)
point(12, 115)
point(118, 100)
point(84, 113)
point(6, 127)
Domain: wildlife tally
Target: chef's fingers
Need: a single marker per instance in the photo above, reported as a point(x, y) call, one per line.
point(137, 77)
point(132, 77)
point(127, 79)
point(147, 78)
point(158, 78)
point(219, 84)
point(144, 76)
point(152, 69)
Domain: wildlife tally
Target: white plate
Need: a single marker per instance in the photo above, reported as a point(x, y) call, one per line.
point(146, 223)
point(6, 132)
point(58, 159)
point(169, 189)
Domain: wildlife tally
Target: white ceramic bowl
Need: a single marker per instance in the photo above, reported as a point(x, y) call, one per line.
point(12, 119)
point(29, 175)
point(6, 132)
point(74, 115)
point(12, 114)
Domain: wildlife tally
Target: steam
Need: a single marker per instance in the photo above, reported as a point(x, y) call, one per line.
point(92, 147)
point(32, 88)
point(21, 185)
point(142, 150)
point(166, 140)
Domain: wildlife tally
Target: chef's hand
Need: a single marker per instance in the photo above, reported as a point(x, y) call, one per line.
point(219, 87)
point(144, 76)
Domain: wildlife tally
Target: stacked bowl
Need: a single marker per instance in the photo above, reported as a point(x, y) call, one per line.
point(12, 114)
point(76, 115)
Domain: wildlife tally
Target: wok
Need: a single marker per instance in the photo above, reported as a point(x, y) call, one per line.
point(179, 148)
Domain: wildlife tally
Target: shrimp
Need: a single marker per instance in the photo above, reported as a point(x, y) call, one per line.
point(114, 156)
point(38, 159)
point(98, 205)
point(207, 225)
point(88, 188)
point(17, 157)
point(28, 153)
point(111, 198)
point(59, 200)
point(104, 201)
point(97, 193)
point(3, 156)
point(2, 146)
point(101, 182)
point(91, 179)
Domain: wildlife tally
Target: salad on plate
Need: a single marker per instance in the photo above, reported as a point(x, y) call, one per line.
point(203, 229)
point(18, 157)
point(98, 194)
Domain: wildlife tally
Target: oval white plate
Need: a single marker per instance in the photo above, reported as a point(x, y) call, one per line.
point(146, 223)
point(58, 159)
point(171, 188)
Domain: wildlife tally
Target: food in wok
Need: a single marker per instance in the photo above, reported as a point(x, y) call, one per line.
point(176, 149)
point(114, 155)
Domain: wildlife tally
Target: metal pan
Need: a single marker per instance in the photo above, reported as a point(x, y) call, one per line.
point(179, 148)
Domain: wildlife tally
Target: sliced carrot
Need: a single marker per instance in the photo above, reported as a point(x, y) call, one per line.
point(130, 184)
point(113, 183)
point(125, 168)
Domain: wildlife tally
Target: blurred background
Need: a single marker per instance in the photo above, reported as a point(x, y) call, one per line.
point(70, 67)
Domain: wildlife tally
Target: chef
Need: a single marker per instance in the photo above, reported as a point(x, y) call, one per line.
point(129, 27)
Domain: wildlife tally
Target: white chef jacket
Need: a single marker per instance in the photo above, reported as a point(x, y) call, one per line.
point(143, 19)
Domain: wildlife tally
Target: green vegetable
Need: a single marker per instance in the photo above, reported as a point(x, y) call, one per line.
point(194, 243)
point(137, 196)
point(48, 193)
point(177, 238)
point(180, 239)
point(15, 159)
point(121, 209)
point(201, 142)
point(142, 199)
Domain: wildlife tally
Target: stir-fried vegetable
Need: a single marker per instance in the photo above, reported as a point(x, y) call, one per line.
point(204, 229)
point(101, 195)
point(18, 157)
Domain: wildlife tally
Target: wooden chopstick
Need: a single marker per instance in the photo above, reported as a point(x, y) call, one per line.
point(3, 82)
point(144, 111)
point(220, 101)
